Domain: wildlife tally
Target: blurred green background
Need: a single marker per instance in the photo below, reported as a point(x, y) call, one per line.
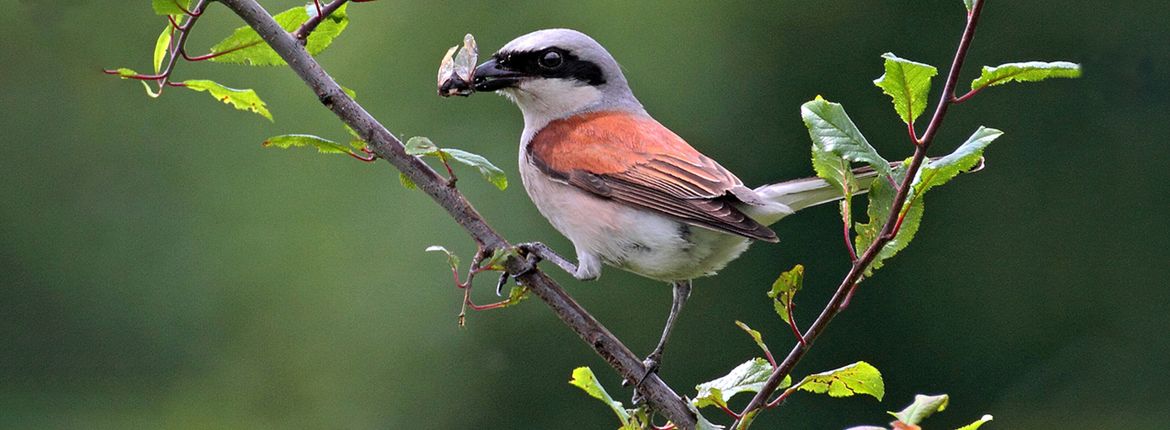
point(160, 269)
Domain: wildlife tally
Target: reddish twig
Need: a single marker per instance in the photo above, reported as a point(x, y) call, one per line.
point(791, 324)
point(853, 278)
point(302, 33)
point(203, 57)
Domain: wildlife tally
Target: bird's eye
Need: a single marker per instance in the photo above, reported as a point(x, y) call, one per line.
point(551, 60)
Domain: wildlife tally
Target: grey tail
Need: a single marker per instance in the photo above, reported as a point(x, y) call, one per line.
point(798, 194)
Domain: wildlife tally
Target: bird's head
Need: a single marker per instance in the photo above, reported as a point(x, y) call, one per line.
point(553, 74)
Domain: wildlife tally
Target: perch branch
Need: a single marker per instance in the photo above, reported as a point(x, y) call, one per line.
point(659, 395)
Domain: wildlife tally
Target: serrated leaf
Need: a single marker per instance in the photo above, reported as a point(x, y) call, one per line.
point(584, 379)
point(406, 182)
point(756, 336)
point(247, 47)
point(922, 408)
point(323, 145)
point(748, 377)
point(908, 84)
point(965, 157)
point(1030, 71)
point(419, 145)
point(489, 171)
point(784, 289)
point(239, 99)
point(881, 198)
point(932, 174)
point(160, 47)
point(170, 7)
point(452, 259)
point(830, 127)
point(833, 169)
point(856, 378)
point(975, 425)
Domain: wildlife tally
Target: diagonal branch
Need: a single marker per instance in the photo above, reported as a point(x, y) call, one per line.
point(888, 232)
point(660, 396)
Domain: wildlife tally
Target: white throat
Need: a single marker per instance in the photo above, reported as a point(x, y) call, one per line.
point(545, 100)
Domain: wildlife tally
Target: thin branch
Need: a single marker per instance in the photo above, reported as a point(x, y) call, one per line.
point(323, 12)
point(889, 229)
point(659, 395)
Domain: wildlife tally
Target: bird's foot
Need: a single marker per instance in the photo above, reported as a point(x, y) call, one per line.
point(531, 260)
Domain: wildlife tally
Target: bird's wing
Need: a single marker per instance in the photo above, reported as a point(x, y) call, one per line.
point(635, 160)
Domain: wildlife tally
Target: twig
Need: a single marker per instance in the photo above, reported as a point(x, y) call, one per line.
point(888, 232)
point(660, 396)
point(323, 12)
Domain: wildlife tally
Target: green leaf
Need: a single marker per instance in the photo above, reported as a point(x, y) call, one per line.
point(756, 336)
point(248, 48)
point(160, 47)
point(965, 157)
point(881, 198)
point(975, 425)
point(324, 146)
point(856, 378)
point(489, 171)
point(452, 259)
point(239, 99)
point(748, 377)
point(170, 7)
point(908, 84)
point(701, 422)
point(923, 407)
point(1025, 72)
point(497, 259)
point(969, 4)
point(419, 145)
point(125, 73)
point(833, 169)
point(584, 379)
point(932, 174)
point(784, 289)
point(406, 182)
point(516, 295)
point(830, 127)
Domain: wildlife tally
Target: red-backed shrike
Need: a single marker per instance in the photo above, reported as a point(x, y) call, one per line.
point(624, 189)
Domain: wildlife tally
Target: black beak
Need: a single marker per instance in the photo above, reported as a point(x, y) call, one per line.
point(489, 76)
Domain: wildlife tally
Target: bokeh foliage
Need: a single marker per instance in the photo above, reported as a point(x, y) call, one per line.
point(161, 269)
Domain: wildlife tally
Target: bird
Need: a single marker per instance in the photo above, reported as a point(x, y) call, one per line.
point(623, 188)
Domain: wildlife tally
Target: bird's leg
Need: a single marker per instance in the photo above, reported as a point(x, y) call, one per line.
point(681, 291)
point(535, 252)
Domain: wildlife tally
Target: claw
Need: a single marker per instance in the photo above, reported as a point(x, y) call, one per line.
point(504, 276)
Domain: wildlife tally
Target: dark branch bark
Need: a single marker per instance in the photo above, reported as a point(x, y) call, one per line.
point(889, 230)
point(660, 396)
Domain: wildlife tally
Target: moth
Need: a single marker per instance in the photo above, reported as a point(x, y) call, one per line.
point(457, 70)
